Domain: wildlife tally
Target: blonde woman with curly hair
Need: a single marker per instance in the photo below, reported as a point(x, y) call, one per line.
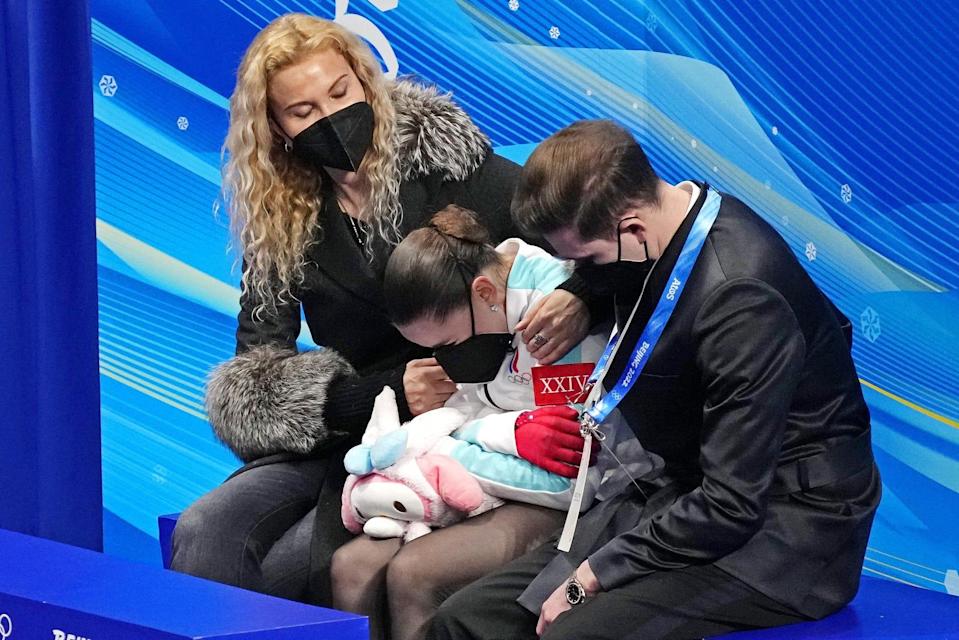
point(328, 166)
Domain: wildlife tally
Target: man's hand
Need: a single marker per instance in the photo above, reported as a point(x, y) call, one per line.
point(426, 386)
point(554, 325)
point(557, 604)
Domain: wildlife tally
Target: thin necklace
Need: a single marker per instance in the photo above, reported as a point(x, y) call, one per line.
point(356, 226)
point(358, 231)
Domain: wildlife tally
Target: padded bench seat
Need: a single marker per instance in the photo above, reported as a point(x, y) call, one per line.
point(882, 609)
point(53, 590)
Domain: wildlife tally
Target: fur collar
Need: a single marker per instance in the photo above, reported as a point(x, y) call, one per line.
point(434, 134)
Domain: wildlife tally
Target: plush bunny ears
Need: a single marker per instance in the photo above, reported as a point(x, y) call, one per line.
point(383, 442)
point(385, 417)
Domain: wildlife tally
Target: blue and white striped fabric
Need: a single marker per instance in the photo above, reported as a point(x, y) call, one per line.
point(486, 444)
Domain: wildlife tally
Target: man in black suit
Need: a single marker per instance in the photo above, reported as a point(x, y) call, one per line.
point(749, 396)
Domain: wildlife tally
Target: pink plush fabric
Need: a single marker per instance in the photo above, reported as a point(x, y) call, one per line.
point(451, 481)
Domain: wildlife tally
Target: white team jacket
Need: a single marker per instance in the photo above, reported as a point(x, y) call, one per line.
point(486, 444)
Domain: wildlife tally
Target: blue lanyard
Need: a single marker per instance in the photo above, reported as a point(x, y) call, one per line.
point(598, 412)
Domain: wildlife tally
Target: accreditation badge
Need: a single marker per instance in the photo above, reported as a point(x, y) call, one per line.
point(559, 384)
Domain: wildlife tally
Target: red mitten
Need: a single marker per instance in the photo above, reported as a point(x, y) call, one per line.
point(549, 437)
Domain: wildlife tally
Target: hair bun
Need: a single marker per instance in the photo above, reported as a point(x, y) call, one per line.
point(460, 223)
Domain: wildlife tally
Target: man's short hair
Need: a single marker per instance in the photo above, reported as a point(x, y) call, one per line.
point(584, 177)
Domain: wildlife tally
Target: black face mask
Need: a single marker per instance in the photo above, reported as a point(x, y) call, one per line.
point(619, 278)
point(479, 357)
point(339, 140)
point(476, 359)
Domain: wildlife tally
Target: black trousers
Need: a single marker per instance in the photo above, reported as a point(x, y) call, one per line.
point(270, 528)
point(693, 602)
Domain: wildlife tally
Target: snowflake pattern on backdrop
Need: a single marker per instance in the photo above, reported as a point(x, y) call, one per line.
point(513, 5)
point(845, 192)
point(869, 323)
point(554, 32)
point(182, 123)
point(108, 86)
point(159, 474)
point(651, 22)
point(810, 251)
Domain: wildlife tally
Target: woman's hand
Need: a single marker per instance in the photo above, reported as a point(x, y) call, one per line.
point(426, 385)
point(554, 325)
point(557, 604)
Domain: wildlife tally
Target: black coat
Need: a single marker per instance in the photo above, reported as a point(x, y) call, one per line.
point(342, 293)
point(269, 399)
point(752, 400)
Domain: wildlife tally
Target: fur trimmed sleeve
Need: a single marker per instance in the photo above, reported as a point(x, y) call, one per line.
point(270, 400)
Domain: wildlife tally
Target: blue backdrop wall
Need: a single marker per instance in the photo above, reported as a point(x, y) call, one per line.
point(49, 401)
point(836, 121)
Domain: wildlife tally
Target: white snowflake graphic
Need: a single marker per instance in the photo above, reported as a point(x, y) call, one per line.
point(589, 92)
point(775, 130)
point(694, 143)
point(554, 32)
point(785, 221)
point(651, 22)
point(635, 105)
point(869, 323)
point(182, 123)
point(108, 85)
point(810, 251)
point(846, 193)
point(513, 5)
point(715, 168)
point(159, 474)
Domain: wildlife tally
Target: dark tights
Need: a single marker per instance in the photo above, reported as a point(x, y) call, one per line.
point(401, 586)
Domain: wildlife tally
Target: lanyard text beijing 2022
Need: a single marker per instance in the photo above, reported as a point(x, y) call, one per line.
point(597, 412)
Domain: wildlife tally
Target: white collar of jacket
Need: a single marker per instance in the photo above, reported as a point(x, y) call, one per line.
point(434, 135)
point(533, 274)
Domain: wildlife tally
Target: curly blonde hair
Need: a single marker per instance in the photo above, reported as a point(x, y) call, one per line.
point(274, 201)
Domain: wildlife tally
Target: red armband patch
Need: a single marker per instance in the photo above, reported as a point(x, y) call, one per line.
point(559, 384)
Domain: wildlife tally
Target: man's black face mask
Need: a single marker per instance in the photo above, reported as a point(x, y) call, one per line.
point(340, 140)
point(619, 278)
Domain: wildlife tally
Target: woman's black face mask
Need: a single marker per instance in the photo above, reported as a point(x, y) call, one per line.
point(622, 277)
point(340, 140)
point(479, 357)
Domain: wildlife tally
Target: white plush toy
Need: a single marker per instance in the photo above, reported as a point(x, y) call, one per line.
point(399, 486)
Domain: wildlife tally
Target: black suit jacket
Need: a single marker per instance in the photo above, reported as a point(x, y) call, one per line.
point(752, 400)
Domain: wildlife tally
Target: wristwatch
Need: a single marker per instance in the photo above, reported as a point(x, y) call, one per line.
point(575, 593)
